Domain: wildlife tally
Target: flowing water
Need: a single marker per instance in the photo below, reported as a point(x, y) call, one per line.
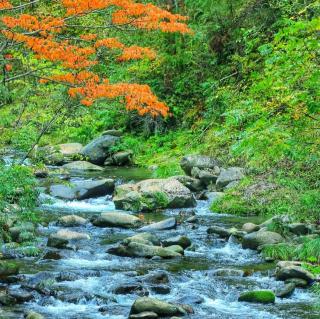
point(82, 283)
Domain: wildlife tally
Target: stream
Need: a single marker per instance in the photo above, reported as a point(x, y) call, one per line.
point(82, 283)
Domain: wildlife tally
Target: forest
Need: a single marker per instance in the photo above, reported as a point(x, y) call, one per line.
point(159, 159)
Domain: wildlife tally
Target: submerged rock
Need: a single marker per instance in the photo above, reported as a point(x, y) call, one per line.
point(116, 219)
point(159, 307)
point(153, 194)
point(83, 189)
point(99, 149)
point(258, 296)
point(166, 224)
point(256, 239)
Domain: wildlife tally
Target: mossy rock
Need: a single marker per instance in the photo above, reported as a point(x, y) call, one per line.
point(258, 296)
point(8, 269)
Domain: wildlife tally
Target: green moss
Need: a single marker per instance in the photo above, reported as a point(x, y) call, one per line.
point(258, 296)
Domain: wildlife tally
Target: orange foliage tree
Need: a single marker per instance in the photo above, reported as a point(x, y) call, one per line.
point(71, 60)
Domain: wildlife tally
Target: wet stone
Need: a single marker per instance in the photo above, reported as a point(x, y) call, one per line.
point(144, 315)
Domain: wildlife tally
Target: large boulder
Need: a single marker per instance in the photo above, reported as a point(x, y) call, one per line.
point(135, 249)
point(99, 149)
point(153, 194)
point(228, 176)
point(258, 296)
point(260, 238)
point(200, 161)
point(82, 166)
point(159, 307)
point(116, 219)
point(166, 224)
point(83, 189)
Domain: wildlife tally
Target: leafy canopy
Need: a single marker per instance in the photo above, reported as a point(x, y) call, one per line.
point(70, 57)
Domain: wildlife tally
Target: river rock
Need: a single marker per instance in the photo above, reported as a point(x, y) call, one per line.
point(22, 228)
point(143, 238)
point(5, 299)
point(206, 176)
point(260, 238)
point(8, 269)
point(166, 224)
point(229, 175)
point(159, 307)
point(134, 288)
point(182, 241)
point(299, 229)
point(57, 154)
point(194, 184)
point(153, 194)
point(70, 149)
point(286, 291)
point(117, 219)
point(284, 273)
point(99, 149)
point(176, 248)
point(134, 249)
point(19, 294)
point(144, 315)
point(63, 237)
point(83, 189)
point(82, 166)
point(34, 315)
point(258, 296)
point(250, 227)
point(220, 231)
point(200, 161)
point(120, 159)
point(72, 220)
point(298, 282)
point(157, 277)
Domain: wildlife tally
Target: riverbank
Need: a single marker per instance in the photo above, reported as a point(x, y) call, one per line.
point(91, 260)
